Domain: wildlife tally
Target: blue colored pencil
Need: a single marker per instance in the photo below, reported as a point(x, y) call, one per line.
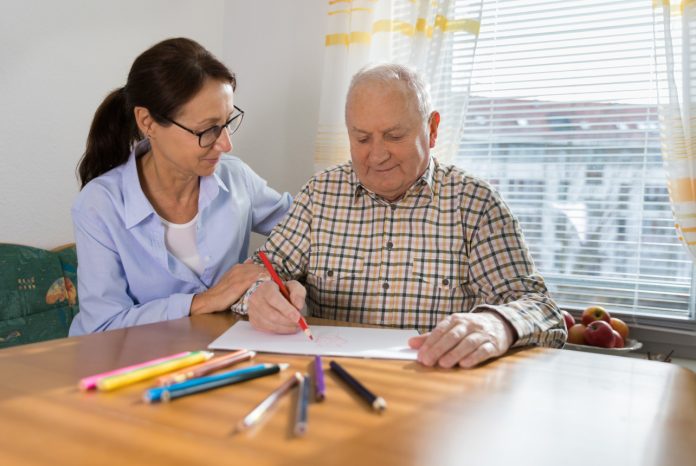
point(302, 405)
point(201, 384)
point(376, 402)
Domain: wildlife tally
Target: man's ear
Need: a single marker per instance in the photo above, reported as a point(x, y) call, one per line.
point(144, 120)
point(433, 124)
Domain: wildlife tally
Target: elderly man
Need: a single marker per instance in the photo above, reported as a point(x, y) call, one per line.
point(396, 239)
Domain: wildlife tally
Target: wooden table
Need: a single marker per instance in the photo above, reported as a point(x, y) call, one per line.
point(536, 406)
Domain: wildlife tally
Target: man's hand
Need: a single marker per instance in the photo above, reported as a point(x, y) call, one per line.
point(228, 290)
point(464, 339)
point(270, 311)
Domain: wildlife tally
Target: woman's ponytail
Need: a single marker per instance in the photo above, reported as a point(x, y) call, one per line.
point(111, 137)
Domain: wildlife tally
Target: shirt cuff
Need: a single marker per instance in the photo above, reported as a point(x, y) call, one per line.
point(241, 307)
point(520, 326)
point(179, 305)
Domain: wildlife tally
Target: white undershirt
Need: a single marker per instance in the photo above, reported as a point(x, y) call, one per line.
point(181, 242)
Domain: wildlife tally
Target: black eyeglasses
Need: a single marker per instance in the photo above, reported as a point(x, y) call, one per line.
point(207, 137)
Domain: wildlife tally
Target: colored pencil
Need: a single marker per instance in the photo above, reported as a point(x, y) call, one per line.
point(155, 394)
point(256, 414)
point(121, 380)
point(284, 291)
point(377, 402)
point(302, 405)
point(206, 368)
point(319, 386)
point(201, 384)
point(90, 383)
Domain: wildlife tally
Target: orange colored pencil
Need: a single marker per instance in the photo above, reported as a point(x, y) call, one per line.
point(205, 368)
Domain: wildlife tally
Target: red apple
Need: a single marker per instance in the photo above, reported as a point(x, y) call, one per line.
point(569, 319)
point(593, 313)
point(620, 326)
point(599, 333)
point(618, 340)
point(576, 334)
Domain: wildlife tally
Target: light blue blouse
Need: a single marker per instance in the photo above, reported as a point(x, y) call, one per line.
point(125, 274)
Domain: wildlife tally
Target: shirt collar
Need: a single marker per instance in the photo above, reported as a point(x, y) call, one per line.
point(210, 187)
point(425, 179)
point(137, 205)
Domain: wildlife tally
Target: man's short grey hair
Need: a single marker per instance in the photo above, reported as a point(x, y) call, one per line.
point(393, 72)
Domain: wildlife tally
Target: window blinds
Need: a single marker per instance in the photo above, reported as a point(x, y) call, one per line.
point(562, 119)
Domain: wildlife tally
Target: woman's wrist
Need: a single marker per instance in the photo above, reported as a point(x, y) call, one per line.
point(200, 304)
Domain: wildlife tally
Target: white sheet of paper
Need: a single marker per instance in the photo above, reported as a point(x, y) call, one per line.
point(328, 341)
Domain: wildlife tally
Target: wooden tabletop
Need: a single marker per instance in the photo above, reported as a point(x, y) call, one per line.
point(535, 406)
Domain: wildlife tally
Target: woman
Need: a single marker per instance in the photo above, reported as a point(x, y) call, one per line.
point(164, 218)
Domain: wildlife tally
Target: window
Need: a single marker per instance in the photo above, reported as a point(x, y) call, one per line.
point(563, 121)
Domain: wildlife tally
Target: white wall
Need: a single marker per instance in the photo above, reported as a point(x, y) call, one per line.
point(276, 47)
point(59, 59)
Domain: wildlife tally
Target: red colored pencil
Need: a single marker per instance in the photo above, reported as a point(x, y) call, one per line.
point(284, 291)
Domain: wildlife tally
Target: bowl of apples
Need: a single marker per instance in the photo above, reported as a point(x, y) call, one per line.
point(598, 332)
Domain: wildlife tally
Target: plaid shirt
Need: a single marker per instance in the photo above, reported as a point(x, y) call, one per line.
point(450, 244)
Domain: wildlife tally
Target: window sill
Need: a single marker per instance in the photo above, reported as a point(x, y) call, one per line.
point(659, 335)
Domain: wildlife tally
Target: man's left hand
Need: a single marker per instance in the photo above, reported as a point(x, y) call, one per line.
point(464, 339)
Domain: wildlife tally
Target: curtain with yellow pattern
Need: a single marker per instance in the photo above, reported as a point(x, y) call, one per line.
point(438, 38)
point(675, 41)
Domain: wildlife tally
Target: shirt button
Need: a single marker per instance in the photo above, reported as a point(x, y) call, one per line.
point(385, 285)
point(390, 245)
point(329, 273)
point(445, 281)
point(393, 207)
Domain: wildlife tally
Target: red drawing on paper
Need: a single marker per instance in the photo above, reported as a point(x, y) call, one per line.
point(331, 340)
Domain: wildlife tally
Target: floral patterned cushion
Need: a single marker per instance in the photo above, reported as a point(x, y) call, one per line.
point(38, 294)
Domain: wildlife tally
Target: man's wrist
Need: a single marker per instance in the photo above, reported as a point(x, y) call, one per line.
point(510, 333)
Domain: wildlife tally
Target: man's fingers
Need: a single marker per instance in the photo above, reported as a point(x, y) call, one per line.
point(463, 349)
point(277, 301)
point(269, 310)
point(298, 293)
point(483, 353)
point(435, 334)
point(417, 342)
point(442, 341)
point(262, 321)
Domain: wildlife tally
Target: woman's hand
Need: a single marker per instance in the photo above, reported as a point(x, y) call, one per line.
point(228, 290)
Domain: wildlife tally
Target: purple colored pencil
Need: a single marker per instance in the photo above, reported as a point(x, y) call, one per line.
point(319, 387)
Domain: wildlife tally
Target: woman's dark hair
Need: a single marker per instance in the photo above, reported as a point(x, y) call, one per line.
point(162, 79)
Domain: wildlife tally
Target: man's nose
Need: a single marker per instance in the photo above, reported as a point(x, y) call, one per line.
point(379, 152)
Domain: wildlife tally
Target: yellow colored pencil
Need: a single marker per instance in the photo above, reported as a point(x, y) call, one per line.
point(121, 380)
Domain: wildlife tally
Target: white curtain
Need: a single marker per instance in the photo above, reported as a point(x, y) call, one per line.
point(675, 46)
point(419, 33)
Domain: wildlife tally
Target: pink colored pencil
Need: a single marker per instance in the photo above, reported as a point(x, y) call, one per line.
point(90, 383)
